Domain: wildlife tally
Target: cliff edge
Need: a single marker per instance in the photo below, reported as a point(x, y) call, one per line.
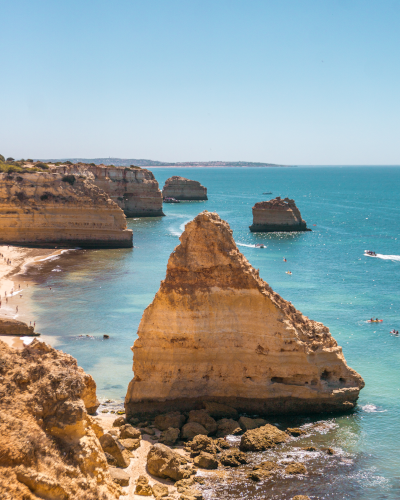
point(49, 445)
point(216, 331)
point(184, 189)
point(39, 208)
point(277, 215)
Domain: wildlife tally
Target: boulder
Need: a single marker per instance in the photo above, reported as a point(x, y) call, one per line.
point(169, 436)
point(259, 475)
point(309, 448)
point(115, 448)
point(222, 444)
point(142, 487)
point(296, 468)
point(203, 443)
point(295, 431)
point(233, 458)
point(119, 476)
point(263, 438)
point(206, 461)
point(267, 466)
point(227, 426)
point(174, 419)
point(185, 487)
point(130, 444)
point(147, 430)
point(203, 418)
point(127, 431)
point(160, 490)
point(110, 459)
point(247, 423)
point(218, 410)
point(168, 464)
point(114, 432)
point(192, 429)
point(119, 421)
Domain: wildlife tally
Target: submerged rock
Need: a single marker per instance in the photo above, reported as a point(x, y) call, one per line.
point(296, 468)
point(216, 331)
point(277, 215)
point(263, 438)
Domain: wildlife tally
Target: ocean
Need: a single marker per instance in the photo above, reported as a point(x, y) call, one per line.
point(349, 209)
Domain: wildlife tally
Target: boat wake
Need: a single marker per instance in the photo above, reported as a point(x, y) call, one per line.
point(178, 232)
point(394, 258)
point(248, 245)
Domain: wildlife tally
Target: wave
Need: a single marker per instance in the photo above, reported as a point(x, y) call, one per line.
point(247, 245)
point(179, 231)
point(394, 258)
point(372, 409)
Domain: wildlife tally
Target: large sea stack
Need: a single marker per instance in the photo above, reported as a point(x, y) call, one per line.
point(184, 189)
point(133, 189)
point(216, 331)
point(39, 208)
point(277, 215)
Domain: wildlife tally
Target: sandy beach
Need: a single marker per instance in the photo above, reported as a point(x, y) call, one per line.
point(15, 286)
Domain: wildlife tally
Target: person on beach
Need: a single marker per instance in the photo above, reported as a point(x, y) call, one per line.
point(16, 309)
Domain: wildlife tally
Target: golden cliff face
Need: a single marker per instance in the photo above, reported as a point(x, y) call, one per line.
point(49, 446)
point(216, 331)
point(277, 215)
point(135, 190)
point(184, 189)
point(42, 208)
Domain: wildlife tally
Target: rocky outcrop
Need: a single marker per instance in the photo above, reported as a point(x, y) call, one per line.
point(184, 189)
point(277, 215)
point(15, 328)
point(134, 189)
point(216, 331)
point(48, 442)
point(45, 209)
point(168, 464)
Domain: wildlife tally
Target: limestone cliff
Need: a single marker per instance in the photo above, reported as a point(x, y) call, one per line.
point(277, 215)
point(15, 328)
point(216, 331)
point(184, 189)
point(134, 189)
point(49, 445)
point(47, 208)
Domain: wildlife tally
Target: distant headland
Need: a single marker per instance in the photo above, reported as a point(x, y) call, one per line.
point(123, 162)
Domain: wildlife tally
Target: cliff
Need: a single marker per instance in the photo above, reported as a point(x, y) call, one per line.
point(135, 190)
point(45, 208)
point(216, 331)
point(49, 445)
point(15, 328)
point(184, 189)
point(277, 215)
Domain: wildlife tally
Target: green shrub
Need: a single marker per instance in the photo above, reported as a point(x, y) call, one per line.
point(10, 159)
point(42, 165)
point(2, 159)
point(30, 160)
point(92, 164)
point(68, 163)
point(69, 178)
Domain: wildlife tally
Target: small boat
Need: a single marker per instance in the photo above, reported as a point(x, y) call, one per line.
point(259, 245)
point(170, 200)
point(288, 272)
point(370, 253)
point(375, 321)
point(269, 192)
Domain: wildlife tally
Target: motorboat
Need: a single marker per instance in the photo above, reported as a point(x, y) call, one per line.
point(375, 320)
point(259, 245)
point(269, 192)
point(170, 200)
point(371, 253)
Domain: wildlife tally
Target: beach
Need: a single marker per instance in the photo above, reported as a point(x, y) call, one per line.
point(16, 284)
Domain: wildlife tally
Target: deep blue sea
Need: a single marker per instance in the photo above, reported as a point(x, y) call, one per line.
point(349, 209)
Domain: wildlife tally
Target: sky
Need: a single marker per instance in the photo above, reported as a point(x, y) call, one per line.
point(303, 82)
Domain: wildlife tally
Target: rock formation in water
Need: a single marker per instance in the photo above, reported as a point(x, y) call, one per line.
point(134, 189)
point(49, 445)
point(216, 331)
point(48, 208)
point(277, 215)
point(184, 189)
point(15, 328)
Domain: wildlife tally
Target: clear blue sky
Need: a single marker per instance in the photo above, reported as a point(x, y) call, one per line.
point(281, 81)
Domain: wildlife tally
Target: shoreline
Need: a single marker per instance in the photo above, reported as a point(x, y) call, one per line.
point(18, 285)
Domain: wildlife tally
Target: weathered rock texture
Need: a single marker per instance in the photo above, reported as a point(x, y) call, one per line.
point(48, 442)
point(15, 327)
point(42, 209)
point(277, 215)
point(184, 189)
point(216, 331)
point(134, 189)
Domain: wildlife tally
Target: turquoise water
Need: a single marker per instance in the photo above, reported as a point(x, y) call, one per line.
point(354, 208)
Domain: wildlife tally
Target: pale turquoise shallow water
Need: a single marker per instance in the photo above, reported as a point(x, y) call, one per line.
point(354, 208)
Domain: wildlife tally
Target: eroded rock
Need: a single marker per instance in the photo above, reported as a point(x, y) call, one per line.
point(173, 419)
point(192, 429)
point(262, 438)
point(169, 436)
point(142, 487)
point(227, 426)
point(247, 423)
point(113, 447)
point(119, 476)
point(206, 461)
point(168, 464)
